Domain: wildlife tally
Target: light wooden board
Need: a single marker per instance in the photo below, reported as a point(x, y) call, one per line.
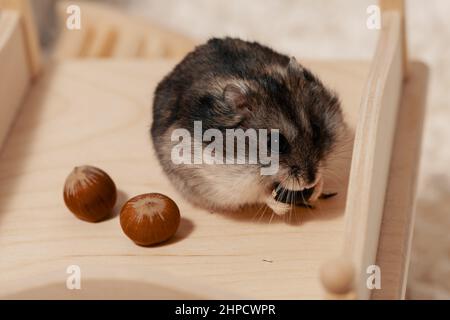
point(31, 39)
point(397, 225)
point(372, 156)
point(14, 70)
point(398, 6)
point(98, 112)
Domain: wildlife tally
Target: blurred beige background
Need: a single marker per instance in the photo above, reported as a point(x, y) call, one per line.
point(337, 29)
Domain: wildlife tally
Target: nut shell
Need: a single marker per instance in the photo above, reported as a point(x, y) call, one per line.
point(150, 218)
point(90, 193)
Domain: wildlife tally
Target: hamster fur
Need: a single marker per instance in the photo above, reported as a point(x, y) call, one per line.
point(231, 83)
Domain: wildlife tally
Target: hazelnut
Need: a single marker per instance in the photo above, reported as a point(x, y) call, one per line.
point(149, 218)
point(90, 193)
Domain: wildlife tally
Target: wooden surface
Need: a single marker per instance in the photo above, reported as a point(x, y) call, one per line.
point(98, 112)
point(106, 32)
point(14, 70)
point(399, 7)
point(31, 39)
point(63, 124)
point(372, 153)
point(120, 281)
point(394, 245)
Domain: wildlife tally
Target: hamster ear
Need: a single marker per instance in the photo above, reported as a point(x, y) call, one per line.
point(236, 96)
point(294, 66)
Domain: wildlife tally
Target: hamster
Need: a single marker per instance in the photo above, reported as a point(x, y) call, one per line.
point(230, 83)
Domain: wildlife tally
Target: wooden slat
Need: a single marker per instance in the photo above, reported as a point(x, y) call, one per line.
point(394, 245)
point(399, 7)
point(109, 33)
point(71, 46)
point(372, 153)
point(14, 71)
point(30, 32)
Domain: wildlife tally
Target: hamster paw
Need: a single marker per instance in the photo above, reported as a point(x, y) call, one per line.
point(277, 207)
point(318, 188)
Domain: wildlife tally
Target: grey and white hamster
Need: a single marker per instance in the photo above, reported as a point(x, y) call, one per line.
point(231, 83)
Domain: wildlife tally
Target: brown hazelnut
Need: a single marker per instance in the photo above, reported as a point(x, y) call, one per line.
point(149, 218)
point(90, 193)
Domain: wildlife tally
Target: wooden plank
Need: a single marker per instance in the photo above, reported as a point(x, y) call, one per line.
point(98, 112)
point(399, 7)
point(398, 218)
point(372, 154)
point(113, 34)
point(131, 40)
point(14, 71)
point(70, 43)
point(104, 44)
point(33, 49)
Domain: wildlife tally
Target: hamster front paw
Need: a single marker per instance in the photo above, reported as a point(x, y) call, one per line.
point(318, 188)
point(279, 208)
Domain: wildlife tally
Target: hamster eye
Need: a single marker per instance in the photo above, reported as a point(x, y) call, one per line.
point(281, 145)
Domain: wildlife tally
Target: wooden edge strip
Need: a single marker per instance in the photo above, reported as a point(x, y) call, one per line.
point(371, 157)
point(398, 219)
point(399, 6)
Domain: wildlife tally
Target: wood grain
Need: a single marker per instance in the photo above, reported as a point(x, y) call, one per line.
point(98, 112)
